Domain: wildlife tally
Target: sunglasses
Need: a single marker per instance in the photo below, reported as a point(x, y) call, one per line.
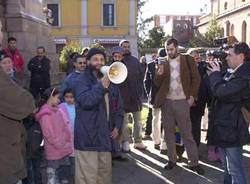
point(69, 96)
point(81, 63)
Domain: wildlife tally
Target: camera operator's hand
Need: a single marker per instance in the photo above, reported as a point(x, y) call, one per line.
point(105, 81)
point(214, 66)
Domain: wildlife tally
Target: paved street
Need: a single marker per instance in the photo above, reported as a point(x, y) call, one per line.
point(147, 168)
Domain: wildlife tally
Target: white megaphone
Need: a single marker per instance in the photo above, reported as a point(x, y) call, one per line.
point(117, 72)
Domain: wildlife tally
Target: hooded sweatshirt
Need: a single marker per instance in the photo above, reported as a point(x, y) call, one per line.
point(58, 140)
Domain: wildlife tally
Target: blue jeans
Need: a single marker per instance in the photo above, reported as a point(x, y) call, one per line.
point(231, 159)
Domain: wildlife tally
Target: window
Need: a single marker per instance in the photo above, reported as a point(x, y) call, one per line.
point(244, 32)
point(225, 6)
point(108, 15)
point(55, 13)
point(228, 28)
point(162, 20)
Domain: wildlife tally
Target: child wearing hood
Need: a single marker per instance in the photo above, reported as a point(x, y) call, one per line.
point(58, 140)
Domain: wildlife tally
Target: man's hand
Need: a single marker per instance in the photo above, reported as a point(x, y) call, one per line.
point(214, 66)
point(190, 101)
point(114, 133)
point(105, 82)
point(160, 70)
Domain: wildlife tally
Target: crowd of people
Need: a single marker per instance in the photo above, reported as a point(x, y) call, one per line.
point(81, 126)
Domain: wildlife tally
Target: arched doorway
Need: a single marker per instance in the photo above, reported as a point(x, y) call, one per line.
point(227, 28)
point(222, 33)
point(232, 30)
point(244, 32)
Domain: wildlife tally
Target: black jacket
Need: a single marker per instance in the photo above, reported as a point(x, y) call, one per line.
point(132, 88)
point(34, 138)
point(227, 125)
point(149, 85)
point(40, 77)
point(204, 93)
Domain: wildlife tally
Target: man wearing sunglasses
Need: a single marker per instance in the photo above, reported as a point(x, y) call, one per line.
point(80, 64)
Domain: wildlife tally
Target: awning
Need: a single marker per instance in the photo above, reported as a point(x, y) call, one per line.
point(108, 41)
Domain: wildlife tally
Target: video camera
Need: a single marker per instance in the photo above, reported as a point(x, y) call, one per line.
point(221, 53)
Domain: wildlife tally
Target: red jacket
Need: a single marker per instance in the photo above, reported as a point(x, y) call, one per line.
point(17, 58)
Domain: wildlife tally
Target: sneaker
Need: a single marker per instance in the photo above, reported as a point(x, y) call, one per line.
point(157, 146)
point(140, 146)
point(125, 147)
point(198, 169)
point(147, 137)
point(120, 158)
point(170, 165)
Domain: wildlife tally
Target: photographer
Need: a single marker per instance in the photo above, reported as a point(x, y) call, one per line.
point(229, 130)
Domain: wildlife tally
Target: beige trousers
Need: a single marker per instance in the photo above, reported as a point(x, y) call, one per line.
point(93, 167)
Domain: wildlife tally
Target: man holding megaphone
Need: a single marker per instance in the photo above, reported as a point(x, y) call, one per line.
point(99, 116)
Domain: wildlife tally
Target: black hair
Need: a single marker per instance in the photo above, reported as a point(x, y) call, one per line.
point(41, 47)
point(171, 41)
point(242, 48)
point(68, 90)
point(73, 54)
point(162, 52)
point(76, 57)
point(46, 95)
point(11, 39)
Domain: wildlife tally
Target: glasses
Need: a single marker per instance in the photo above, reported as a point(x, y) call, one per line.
point(68, 96)
point(81, 63)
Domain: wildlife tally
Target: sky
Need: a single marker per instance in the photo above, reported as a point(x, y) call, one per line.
point(154, 7)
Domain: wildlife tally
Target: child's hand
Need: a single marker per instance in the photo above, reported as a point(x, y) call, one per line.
point(35, 111)
point(114, 133)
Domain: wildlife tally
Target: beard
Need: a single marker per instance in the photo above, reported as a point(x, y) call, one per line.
point(96, 70)
point(173, 56)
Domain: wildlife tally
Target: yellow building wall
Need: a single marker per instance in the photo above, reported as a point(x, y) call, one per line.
point(95, 27)
point(70, 19)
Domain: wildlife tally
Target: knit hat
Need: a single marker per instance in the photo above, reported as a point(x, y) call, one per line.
point(94, 51)
point(117, 49)
point(122, 41)
point(162, 52)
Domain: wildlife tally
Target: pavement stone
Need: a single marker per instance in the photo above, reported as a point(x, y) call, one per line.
point(146, 167)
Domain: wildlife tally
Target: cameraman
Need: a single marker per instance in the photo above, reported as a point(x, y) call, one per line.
point(229, 130)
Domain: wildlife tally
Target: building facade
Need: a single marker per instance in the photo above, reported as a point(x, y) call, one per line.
point(179, 26)
point(25, 20)
point(232, 15)
point(91, 21)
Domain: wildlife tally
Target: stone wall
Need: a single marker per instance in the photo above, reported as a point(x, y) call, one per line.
point(26, 22)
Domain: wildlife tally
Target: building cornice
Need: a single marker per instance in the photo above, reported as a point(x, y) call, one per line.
point(231, 12)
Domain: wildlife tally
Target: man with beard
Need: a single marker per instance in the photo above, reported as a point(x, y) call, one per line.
point(39, 66)
point(132, 91)
point(99, 107)
point(178, 81)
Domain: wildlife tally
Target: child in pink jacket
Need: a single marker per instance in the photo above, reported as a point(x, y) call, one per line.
point(58, 140)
